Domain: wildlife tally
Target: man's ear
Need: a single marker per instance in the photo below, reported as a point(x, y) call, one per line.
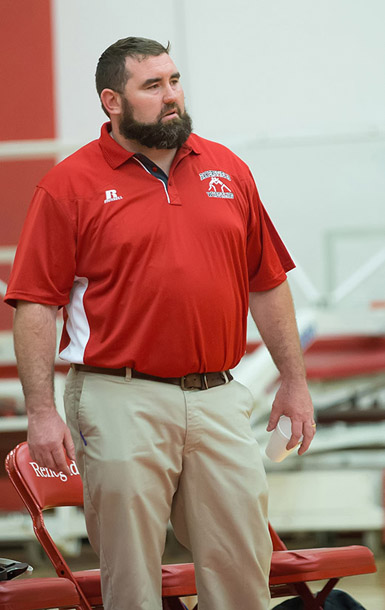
point(111, 101)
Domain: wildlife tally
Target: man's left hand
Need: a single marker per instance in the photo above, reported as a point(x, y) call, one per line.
point(293, 400)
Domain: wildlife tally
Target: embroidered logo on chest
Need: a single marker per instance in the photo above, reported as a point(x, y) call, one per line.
point(112, 196)
point(217, 188)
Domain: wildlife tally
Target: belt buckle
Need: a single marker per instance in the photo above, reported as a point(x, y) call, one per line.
point(203, 379)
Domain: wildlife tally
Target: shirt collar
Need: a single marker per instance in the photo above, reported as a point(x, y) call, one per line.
point(116, 155)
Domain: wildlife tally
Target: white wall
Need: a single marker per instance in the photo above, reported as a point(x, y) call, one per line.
point(296, 88)
point(83, 30)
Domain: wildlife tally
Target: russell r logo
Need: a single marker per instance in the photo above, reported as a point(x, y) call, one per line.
point(111, 196)
point(217, 188)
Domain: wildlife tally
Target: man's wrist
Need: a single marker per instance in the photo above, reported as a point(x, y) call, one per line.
point(39, 409)
point(298, 377)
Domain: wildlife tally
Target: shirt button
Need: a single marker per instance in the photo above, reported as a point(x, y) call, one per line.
point(154, 169)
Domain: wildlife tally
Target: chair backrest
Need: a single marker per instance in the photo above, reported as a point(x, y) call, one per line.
point(41, 488)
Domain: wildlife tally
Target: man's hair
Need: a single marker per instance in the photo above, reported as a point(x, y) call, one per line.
point(111, 71)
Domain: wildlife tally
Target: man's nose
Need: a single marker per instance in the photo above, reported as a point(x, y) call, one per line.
point(169, 95)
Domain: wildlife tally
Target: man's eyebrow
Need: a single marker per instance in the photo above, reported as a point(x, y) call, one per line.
point(152, 81)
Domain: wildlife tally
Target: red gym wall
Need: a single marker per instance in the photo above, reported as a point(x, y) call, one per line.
point(27, 112)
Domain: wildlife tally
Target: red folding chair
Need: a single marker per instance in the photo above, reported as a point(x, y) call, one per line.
point(290, 570)
point(38, 594)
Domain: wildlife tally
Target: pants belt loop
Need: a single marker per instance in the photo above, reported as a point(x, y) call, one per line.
point(227, 380)
point(128, 376)
point(206, 385)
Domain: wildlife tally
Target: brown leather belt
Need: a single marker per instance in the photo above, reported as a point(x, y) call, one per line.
point(193, 381)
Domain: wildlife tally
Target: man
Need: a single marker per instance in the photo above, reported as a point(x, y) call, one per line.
point(153, 262)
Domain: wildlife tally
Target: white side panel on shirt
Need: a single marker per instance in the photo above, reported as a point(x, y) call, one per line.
point(77, 326)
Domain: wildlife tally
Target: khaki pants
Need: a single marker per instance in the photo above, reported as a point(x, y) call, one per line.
point(148, 452)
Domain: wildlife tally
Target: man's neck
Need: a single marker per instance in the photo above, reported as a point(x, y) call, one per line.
point(163, 158)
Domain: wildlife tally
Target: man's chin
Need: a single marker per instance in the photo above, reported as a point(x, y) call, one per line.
point(167, 133)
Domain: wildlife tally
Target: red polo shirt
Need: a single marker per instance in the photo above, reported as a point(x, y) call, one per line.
point(151, 276)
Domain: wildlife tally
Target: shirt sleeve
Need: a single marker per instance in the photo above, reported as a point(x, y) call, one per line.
point(267, 257)
point(44, 265)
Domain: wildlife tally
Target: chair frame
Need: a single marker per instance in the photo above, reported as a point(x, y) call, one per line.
point(291, 571)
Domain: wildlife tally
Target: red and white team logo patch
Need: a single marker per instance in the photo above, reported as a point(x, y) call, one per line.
point(217, 188)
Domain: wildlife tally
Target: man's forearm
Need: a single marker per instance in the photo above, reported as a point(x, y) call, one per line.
point(35, 346)
point(273, 313)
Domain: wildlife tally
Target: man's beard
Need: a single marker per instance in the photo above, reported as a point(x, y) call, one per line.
point(167, 134)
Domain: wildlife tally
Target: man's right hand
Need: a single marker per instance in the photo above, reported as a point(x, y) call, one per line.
point(49, 440)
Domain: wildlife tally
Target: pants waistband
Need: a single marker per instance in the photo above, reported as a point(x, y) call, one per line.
point(192, 381)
